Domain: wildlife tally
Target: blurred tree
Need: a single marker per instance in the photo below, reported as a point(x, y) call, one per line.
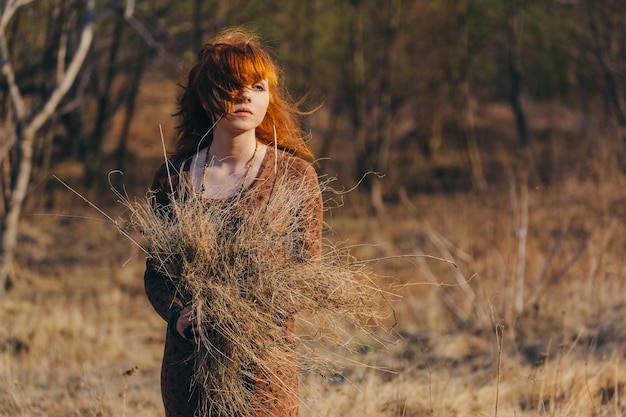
point(514, 13)
point(462, 98)
point(376, 81)
point(452, 44)
point(30, 112)
point(109, 85)
point(606, 21)
point(384, 111)
point(357, 83)
point(401, 81)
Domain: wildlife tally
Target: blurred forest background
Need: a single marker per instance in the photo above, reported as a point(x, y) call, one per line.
point(437, 96)
point(471, 112)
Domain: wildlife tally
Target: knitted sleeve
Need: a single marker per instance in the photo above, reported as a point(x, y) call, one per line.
point(311, 216)
point(158, 287)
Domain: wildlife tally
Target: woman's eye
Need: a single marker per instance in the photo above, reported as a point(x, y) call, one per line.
point(259, 87)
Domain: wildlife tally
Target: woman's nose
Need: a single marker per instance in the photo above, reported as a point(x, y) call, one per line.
point(244, 95)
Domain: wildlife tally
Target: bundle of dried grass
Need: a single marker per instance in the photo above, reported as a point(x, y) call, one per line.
point(248, 277)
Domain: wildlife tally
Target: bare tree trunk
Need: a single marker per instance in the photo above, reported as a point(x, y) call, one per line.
point(522, 237)
point(466, 111)
point(608, 67)
point(469, 133)
point(383, 145)
point(517, 75)
point(130, 99)
point(27, 125)
point(359, 97)
point(91, 159)
point(11, 219)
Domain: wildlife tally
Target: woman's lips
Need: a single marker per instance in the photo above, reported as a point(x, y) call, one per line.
point(243, 111)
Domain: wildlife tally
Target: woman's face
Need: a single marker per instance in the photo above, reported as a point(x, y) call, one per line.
point(248, 109)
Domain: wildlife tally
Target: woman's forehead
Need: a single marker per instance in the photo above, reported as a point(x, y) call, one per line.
point(250, 68)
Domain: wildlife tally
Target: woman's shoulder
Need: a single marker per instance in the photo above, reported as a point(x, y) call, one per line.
point(293, 164)
point(172, 168)
point(175, 163)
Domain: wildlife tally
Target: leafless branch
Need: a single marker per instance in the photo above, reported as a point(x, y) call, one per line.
point(522, 235)
point(5, 62)
point(9, 10)
point(145, 34)
point(72, 70)
point(546, 266)
point(62, 54)
point(6, 146)
point(445, 298)
point(463, 283)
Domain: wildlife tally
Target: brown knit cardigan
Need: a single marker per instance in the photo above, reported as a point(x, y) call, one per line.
point(179, 399)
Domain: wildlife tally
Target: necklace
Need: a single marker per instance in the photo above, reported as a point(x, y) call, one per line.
point(245, 177)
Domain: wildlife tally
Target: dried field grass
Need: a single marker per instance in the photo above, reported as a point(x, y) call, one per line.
point(78, 319)
point(247, 272)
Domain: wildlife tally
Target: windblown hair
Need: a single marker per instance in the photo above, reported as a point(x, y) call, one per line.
point(234, 60)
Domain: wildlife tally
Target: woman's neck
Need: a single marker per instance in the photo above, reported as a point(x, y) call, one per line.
point(233, 150)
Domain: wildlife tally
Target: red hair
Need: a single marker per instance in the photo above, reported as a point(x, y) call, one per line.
point(234, 60)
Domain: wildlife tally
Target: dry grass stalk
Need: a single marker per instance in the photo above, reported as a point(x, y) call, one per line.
point(230, 259)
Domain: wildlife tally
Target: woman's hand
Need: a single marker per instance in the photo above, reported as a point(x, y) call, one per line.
point(187, 325)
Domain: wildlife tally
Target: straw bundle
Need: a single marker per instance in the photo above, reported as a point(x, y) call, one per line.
point(248, 275)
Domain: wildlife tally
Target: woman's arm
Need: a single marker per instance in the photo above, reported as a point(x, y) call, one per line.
point(311, 216)
point(159, 288)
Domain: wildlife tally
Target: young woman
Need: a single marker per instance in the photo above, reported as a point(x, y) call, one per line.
point(237, 137)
